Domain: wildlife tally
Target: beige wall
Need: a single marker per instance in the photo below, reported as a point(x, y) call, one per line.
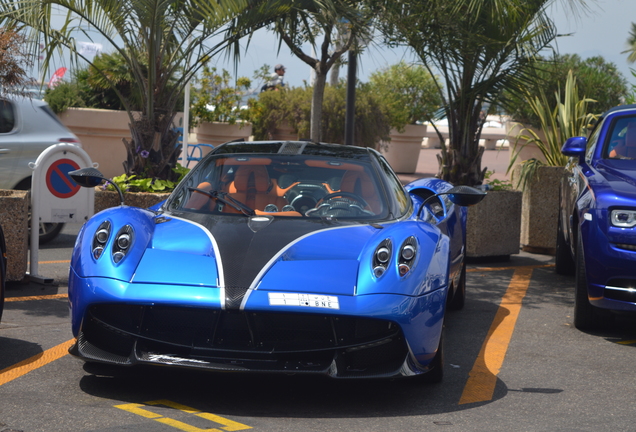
point(101, 133)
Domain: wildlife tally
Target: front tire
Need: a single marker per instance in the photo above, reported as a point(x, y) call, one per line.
point(3, 270)
point(459, 296)
point(436, 373)
point(585, 315)
point(564, 263)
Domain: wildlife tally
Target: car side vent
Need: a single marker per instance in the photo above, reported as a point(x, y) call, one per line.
point(292, 148)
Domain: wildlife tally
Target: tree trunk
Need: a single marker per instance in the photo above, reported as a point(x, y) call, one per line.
point(316, 106)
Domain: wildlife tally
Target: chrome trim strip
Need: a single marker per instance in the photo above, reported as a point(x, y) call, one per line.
point(631, 290)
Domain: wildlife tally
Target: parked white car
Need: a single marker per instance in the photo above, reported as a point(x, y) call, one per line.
point(27, 127)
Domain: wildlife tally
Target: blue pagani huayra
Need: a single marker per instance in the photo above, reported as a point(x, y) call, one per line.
point(596, 236)
point(291, 257)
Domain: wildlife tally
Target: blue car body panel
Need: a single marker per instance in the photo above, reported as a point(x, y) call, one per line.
point(593, 185)
point(183, 261)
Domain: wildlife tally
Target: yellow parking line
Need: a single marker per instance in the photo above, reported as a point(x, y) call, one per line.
point(482, 379)
point(55, 262)
point(489, 269)
point(35, 362)
point(43, 297)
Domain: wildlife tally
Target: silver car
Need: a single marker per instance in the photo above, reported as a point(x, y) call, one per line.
point(27, 127)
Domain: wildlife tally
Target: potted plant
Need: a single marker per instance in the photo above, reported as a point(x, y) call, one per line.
point(498, 238)
point(408, 95)
point(217, 112)
point(539, 177)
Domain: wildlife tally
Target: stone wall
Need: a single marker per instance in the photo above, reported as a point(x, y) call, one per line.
point(14, 218)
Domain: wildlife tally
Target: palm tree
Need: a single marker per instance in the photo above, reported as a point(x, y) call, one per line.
point(631, 42)
point(163, 43)
point(479, 48)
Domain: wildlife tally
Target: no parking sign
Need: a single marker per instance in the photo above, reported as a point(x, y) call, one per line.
point(58, 182)
point(55, 197)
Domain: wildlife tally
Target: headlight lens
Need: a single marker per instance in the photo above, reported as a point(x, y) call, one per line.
point(100, 238)
point(122, 244)
point(382, 258)
point(408, 252)
point(623, 218)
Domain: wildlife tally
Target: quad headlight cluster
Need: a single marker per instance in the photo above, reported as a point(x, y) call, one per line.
point(121, 245)
point(382, 257)
point(623, 218)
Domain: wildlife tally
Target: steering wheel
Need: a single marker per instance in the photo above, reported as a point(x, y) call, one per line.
point(353, 196)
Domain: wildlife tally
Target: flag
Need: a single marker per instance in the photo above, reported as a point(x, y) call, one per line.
point(88, 49)
point(57, 77)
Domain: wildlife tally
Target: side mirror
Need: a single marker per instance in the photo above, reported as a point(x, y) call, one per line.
point(464, 196)
point(91, 177)
point(574, 147)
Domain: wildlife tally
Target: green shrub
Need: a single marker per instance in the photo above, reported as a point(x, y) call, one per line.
point(407, 93)
point(293, 105)
point(215, 99)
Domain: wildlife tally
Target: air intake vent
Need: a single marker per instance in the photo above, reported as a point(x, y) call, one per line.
point(292, 148)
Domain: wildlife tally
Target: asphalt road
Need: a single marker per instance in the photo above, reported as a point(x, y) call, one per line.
point(514, 362)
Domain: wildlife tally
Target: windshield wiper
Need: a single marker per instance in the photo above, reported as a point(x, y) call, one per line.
point(226, 199)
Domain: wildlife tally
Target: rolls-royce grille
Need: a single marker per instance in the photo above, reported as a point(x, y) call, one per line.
point(255, 340)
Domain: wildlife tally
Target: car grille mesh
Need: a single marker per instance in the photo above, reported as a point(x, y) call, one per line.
point(263, 341)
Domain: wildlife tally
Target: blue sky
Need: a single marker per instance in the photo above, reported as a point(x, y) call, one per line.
point(602, 30)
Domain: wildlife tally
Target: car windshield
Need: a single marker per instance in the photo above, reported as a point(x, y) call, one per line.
point(282, 186)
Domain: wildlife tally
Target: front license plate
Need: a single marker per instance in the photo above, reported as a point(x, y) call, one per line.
point(306, 300)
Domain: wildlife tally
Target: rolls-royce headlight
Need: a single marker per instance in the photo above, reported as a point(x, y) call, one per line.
point(623, 218)
point(122, 244)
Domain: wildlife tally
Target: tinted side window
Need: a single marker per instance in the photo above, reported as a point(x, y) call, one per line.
point(395, 188)
point(621, 142)
point(7, 116)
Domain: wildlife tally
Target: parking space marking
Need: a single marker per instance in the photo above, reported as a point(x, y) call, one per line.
point(482, 378)
point(138, 409)
point(43, 297)
point(35, 362)
point(489, 269)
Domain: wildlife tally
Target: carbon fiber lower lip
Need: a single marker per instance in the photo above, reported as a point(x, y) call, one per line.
point(90, 353)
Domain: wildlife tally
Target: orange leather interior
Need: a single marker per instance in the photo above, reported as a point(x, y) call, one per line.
point(253, 186)
point(359, 183)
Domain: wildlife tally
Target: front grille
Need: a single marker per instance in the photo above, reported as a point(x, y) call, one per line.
point(254, 340)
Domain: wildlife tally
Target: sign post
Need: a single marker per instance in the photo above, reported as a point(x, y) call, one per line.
point(55, 197)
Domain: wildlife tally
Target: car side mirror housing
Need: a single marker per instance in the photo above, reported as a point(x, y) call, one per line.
point(463, 196)
point(91, 177)
point(574, 147)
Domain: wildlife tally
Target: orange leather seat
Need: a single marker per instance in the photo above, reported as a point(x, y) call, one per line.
point(253, 187)
point(359, 183)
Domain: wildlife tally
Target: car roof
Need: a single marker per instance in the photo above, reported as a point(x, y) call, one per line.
point(619, 108)
point(295, 148)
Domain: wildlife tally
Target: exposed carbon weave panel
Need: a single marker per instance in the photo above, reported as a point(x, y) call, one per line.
point(244, 252)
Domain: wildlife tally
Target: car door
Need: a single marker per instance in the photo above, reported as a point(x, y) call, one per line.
point(10, 143)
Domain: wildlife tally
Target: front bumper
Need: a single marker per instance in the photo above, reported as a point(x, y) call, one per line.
point(369, 336)
point(610, 260)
